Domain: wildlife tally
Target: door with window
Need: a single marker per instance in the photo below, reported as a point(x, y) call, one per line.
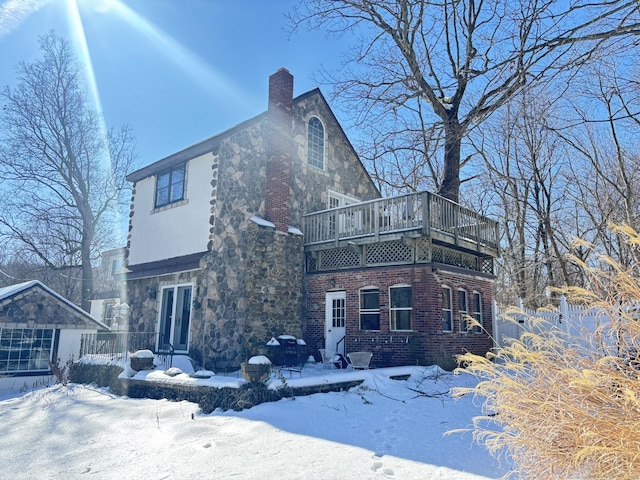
point(175, 318)
point(346, 222)
point(335, 315)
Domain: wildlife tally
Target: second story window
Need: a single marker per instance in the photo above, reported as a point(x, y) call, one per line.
point(400, 307)
point(315, 143)
point(170, 186)
point(370, 309)
point(116, 265)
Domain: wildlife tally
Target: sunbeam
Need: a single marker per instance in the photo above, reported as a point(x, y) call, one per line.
point(80, 40)
point(14, 12)
point(211, 82)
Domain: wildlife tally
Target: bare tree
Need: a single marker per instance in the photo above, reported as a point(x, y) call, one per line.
point(606, 173)
point(458, 61)
point(524, 161)
point(63, 174)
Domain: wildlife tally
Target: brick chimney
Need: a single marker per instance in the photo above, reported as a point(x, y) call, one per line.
point(279, 146)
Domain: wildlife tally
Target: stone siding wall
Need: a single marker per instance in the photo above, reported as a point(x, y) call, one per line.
point(274, 284)
point(343, 172)
point(238, 194)
point(426, 343)
point(35, 308)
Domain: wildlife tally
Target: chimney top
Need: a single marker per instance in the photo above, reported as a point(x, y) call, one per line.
point(281, 90)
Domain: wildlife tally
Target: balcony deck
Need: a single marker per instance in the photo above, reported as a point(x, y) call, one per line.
point(414, 215)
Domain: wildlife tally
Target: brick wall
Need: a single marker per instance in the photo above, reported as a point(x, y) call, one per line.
point(426, 343)
point(278, 149)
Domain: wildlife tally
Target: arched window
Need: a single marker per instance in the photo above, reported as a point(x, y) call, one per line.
point(477, 311)
point(463, 310)
point(315, 143)
point(447, 310)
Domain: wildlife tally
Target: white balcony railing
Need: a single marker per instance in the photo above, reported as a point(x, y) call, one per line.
point(424, 213)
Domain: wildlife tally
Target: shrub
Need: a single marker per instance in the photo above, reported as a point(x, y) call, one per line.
point(563, 406)
point(61, 372)
point(101, 375)
point(247, 396)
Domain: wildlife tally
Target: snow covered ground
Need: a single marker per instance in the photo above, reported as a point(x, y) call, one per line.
point(382, 429)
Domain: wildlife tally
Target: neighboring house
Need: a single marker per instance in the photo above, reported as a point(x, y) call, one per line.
point(38, 326)
point(274, 227)
point(108, 288)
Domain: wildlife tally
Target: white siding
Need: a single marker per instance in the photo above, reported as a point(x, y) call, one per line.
point(97, 307)
point(69, 345)
point(183, 228)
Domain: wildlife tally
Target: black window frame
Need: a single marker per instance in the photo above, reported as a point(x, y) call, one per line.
point(23, 350)
point(172, 185)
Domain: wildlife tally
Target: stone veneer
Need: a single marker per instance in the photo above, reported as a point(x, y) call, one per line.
point(35, 308)
point(274, 281)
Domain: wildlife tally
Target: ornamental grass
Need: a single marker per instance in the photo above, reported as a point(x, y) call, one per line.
point(567, 406)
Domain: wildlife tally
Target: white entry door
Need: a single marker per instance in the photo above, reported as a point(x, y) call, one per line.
point(335, 315)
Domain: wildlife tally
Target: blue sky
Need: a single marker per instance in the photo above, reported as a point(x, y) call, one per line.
point(175, 71)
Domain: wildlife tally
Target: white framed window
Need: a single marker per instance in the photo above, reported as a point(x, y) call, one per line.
point(170, 185)
point(477, 311)
point(447, 311)
point(370, 308)
point(175, 318)
point(400, 307)
point(25, 349)
point(337, 200)
point(315, 143)
point(116, 265)
point(463, 310)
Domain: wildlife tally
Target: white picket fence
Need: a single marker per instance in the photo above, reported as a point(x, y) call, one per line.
point(575, 320)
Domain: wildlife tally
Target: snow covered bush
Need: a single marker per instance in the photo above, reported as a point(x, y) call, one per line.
point(61, 372)
point(237, 399)
point(568, 406)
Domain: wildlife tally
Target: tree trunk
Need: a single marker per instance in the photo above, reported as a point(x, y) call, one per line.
point(88, 231)
point(450, 187)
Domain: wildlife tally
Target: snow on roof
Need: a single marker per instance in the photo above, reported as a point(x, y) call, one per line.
point(11, 290)
point(295, 231)
point(262, 222)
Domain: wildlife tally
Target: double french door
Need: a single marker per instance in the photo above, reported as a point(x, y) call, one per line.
point(175, 318)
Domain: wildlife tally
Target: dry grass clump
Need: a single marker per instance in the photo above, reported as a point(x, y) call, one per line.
point(568, 406)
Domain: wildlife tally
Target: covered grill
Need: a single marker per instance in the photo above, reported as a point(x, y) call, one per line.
point(287, 351)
